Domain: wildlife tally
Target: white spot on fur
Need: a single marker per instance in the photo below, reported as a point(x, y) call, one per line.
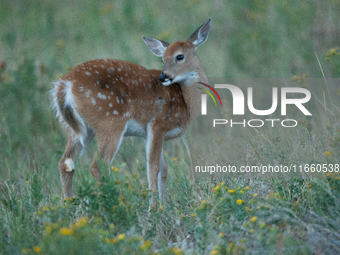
point(119, 70)
point(93, 101)
point(88, 93)
point(101, 96)
point(107, 114)
point(115, 112)
point(110, 105)
point(121, 78)
point(107, 86)
point(96, 72)
point(69, 165)
point(88, 73)
point(117, 100)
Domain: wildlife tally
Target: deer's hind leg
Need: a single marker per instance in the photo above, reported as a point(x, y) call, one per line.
point(73, 149)
point(109, 142)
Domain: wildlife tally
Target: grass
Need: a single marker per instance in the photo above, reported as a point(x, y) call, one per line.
point(41, 40)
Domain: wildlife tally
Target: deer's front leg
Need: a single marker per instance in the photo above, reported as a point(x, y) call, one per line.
point(153, 148)
point(162, 180)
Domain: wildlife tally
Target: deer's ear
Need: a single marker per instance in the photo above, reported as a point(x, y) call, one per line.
point(200, 35)
point(157, 47)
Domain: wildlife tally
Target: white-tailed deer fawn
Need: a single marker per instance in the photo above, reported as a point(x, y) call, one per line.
point(114, 98)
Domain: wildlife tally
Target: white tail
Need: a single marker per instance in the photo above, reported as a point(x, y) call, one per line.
point(114, 98)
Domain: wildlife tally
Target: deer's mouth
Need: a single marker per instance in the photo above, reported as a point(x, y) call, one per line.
point(167, 82)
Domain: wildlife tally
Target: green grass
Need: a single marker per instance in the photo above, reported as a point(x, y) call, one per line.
point(41, 40)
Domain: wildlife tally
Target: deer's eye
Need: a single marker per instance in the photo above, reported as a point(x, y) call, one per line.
point(180, 57)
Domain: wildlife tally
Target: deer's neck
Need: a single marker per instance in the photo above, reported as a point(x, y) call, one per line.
point(192, 95)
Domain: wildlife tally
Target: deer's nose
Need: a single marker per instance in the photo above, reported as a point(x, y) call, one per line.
point(163, 77)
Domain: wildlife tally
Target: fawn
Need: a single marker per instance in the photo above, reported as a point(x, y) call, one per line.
point(115, 98)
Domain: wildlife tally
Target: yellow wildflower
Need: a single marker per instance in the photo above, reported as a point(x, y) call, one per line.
point(146, 245)
point(107, 240)
point(253, 219)
point(192, 215)
point(116, 170)
point(239, 201)
point(214, 252)
point(66, 231)
point(81, 222)
point(25, 250)
point(121, 237)
point(36, 249)
point(177, 251)
point(255, 194)
point(175, 159)
point(112, 168)
point(221, 234)
point(48, 229)
point(231, 191)
point(216, 188)
point(246, 188)
point(327, 153)
point(333, 51)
